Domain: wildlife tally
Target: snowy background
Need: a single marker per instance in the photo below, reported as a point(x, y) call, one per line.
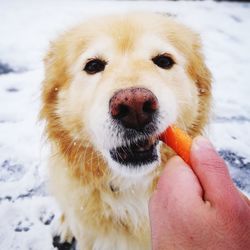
point(26, 209)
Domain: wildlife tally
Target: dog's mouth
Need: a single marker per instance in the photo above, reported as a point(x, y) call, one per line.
point(136, 154)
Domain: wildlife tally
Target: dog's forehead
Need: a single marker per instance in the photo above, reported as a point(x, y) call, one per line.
point(125, 35)
point(144, 46)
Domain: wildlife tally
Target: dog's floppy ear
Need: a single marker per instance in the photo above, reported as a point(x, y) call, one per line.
point(189, 43)
point(199, 72)
point(57, 61)
point(197, 68)
point(55, 78)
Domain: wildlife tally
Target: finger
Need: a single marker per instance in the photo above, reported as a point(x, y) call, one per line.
point(211, 171)
point(178, 186)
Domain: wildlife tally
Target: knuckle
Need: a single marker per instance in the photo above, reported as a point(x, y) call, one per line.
point(233, 213)
point(214, 164)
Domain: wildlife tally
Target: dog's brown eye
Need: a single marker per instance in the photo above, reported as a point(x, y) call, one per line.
point(163, 61)
point(95, 66)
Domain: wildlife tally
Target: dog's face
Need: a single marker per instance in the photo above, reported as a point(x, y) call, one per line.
point(116, 84)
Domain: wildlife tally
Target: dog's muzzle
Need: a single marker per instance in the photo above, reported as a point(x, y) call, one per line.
point(135, 110)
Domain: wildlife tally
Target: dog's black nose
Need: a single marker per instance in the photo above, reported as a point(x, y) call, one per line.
point(133, 107)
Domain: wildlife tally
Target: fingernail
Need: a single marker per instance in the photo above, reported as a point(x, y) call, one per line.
point(175, 163)
point(201, 142)
point(176, 160)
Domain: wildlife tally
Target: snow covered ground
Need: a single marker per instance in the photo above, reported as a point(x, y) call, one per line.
point(26, 208)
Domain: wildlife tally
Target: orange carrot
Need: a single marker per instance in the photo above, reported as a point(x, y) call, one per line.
point(179, 141)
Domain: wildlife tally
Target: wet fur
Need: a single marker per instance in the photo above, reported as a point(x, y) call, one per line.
point(104, 210)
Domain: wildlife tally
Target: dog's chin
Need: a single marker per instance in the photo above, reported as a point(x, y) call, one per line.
point(135, 159)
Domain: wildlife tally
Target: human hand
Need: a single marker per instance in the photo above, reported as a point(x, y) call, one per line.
point(199, 207)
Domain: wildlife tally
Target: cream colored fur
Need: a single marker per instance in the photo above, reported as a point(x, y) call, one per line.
point(105, 205)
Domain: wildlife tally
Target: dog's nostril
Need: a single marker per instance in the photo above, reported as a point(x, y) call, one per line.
point(123, 110)
point(148, 107)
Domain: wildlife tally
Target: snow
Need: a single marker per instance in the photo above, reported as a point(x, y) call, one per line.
point(26, 208)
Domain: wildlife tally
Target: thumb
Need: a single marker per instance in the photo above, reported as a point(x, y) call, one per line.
point(211, 171)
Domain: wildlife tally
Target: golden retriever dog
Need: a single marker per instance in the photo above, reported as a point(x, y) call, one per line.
point(112, 85)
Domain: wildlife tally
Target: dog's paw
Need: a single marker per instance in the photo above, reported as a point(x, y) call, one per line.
point(60, 228)
point(65, 245)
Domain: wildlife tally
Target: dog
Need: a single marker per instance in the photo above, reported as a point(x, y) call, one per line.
point(112, 85)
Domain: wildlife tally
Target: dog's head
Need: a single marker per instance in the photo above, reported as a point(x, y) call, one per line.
point(115, 83)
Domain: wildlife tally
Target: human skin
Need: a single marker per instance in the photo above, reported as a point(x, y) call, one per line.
point(199, 207)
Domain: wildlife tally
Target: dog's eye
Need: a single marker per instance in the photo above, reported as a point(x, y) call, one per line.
point(95, 66)
point(163, 61)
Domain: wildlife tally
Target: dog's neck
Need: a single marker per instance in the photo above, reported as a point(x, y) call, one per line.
point(121, 184)
point(128, 199)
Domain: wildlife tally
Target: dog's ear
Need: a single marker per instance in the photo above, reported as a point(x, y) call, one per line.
point(55, 78)
point(199, 72)
point(201, 75)
point(61, 54)
point(189, 44)
point(197, 68)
